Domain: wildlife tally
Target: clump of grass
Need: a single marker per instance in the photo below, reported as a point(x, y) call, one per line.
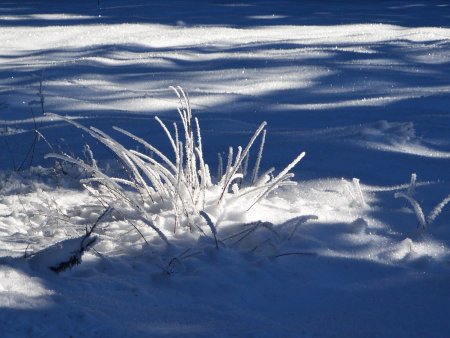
point(180, 184)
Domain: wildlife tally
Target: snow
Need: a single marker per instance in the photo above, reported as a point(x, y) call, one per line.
point(361, 87)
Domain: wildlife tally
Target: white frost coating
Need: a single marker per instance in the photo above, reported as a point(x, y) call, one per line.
point(186, 185)
point(417, 208)
point(363, 99)
point(437, 210)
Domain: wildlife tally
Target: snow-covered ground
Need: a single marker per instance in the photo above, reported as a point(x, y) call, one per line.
point(363, 88)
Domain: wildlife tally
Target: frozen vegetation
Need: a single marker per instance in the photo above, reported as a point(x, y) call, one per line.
point(215, 169)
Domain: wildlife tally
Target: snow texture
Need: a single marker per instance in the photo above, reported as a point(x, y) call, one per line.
point(363, 88)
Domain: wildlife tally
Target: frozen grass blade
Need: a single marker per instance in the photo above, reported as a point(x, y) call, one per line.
point(437, 210)
point(284, 175)
point(358, 190)
point(417, 209)
point(239, 157)
point(211, 226)
point(412, 185)
point(258, 159)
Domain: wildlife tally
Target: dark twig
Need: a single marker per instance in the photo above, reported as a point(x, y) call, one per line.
point(85, 244)
point(89, 232)
point(294, 254)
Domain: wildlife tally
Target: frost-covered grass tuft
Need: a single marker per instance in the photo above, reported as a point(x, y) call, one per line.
point(179, 186)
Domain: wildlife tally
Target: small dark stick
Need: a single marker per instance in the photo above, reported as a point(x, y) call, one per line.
point(85, 244)
point(295, 254)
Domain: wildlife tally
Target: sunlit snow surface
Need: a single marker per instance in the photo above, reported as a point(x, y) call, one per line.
point(363, 88)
